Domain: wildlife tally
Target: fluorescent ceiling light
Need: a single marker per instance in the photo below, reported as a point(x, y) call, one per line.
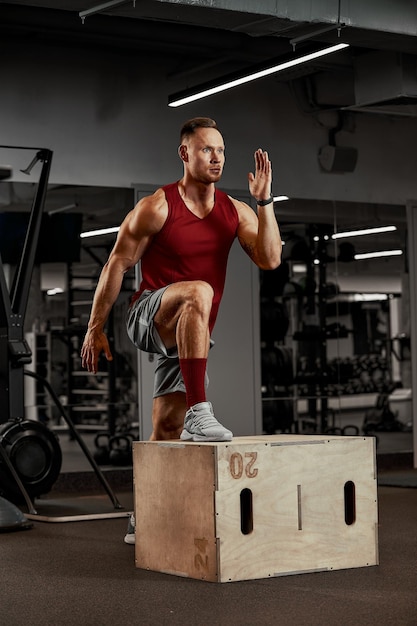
point(100, 231)
point(369, 297)
point(374, 255)
point(54, 291)
point(363, 297)
point(62, 209)
point(364, 231)
point(299, 268)
point(208, 89)
point(280, 198)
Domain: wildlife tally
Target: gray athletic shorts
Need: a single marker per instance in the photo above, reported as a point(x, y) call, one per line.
point(143, 334)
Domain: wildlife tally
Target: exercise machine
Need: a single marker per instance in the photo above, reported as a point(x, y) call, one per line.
point(30, 455)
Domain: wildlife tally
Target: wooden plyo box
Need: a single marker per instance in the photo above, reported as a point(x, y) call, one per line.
point(255, 507)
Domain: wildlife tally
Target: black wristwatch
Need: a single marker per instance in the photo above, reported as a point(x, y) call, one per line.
point(264, 202)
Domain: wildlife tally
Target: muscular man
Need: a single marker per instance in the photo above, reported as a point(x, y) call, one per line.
point(182, 234)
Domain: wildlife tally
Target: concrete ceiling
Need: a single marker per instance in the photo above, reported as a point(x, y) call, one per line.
point(216, 37)
point(222, 34)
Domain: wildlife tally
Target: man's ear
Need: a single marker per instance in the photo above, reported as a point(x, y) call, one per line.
point(182, 151)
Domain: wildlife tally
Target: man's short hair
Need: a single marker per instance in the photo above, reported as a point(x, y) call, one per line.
point(191, 126)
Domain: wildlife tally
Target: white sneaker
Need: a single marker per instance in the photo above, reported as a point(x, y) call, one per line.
point(130, 534)
point(201, 425)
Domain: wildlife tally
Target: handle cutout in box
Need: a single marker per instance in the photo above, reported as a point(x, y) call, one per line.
point(246, 511)
point(350, 503)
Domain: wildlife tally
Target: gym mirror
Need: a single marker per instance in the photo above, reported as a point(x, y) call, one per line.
point(334, 325)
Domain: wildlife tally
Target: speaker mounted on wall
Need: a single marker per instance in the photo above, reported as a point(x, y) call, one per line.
point(338, 159)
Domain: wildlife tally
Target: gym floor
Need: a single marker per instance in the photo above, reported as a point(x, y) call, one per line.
point(82, 573)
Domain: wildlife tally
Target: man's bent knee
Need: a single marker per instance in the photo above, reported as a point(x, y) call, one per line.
point(198, 289)
point(188, 300)
point(198, 294)
point(177, 295)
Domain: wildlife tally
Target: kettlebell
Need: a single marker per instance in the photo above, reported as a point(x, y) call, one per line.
point(334, 430)
point(102, 452)
point(120, 450)
point(350, 430)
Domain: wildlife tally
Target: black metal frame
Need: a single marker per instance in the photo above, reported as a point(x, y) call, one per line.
point(14, 350)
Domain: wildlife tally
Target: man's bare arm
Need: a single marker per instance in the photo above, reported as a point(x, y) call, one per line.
point(259, 235)
point(134, 236)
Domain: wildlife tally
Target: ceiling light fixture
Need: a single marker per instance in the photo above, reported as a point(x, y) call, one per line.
point(63, 209)
point(299, 268)
point(375, 255)
point(364, 231)
point(364, 297)
point(369, 297)
point(100, 231)
point(280, 198)
point(208, 89)
point(54, 291)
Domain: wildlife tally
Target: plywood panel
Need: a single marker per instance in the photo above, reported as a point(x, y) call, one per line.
point(174, 496)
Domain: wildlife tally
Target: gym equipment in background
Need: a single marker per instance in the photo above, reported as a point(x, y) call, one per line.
point(34, 453)
point(30, 455)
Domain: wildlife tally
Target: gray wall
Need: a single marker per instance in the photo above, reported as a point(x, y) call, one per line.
point(106, 119)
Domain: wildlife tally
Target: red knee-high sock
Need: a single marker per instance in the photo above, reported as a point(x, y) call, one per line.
point(193, 372)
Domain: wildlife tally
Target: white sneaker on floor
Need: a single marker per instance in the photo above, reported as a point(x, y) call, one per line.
point(201, 425)
point(130, 534)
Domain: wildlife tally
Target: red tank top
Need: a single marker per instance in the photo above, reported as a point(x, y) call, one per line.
point(190, 248)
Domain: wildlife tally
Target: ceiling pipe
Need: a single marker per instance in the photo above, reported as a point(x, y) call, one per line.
point(103, 7)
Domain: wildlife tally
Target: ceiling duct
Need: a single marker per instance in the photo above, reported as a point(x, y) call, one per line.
point(386, 83)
